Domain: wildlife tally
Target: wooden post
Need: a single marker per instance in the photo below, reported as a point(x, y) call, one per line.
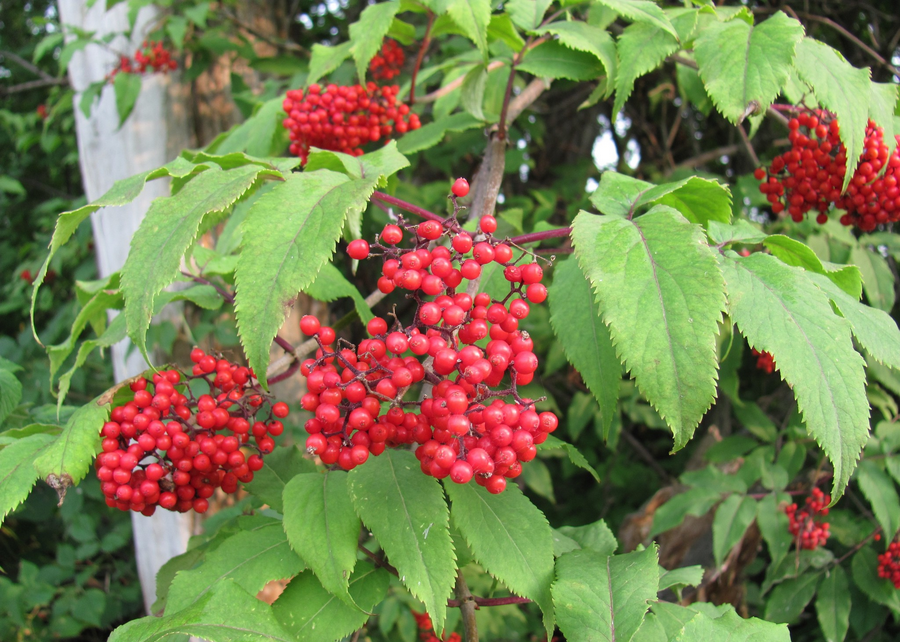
point(154, 134)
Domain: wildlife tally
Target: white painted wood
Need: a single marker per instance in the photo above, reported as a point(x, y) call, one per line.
point(154, 134)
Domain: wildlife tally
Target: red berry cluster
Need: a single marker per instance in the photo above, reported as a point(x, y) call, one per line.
point(811, 174)
point(764, 361)
point(170, 448)
point(807, 531)
point(889, 564)
point(387, 64)
point(426, 630)
point(465, 427)
point(342, 118)
point(151, 55)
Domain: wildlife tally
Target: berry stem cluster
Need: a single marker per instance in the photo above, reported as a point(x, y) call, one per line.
point(809, 533)
point(152, 57)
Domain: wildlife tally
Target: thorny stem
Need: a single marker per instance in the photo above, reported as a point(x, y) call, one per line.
point(426, 41)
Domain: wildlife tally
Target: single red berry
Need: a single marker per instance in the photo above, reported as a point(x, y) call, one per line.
point(358, 249)
point(460, 187)
point(280, 410)
point(488, 224)
point(309, 325)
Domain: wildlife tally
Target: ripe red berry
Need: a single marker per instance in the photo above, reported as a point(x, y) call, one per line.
point(358, 249)
point(460, 187)
point(309, 325)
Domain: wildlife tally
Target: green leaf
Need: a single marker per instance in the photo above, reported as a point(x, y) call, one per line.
point(864, 569)
point(575, 318)
point(9, 185)
point(877, 278)
point(279, 467)
point(472, 91)
point(778, 312)
point(661, 296)
point(433, 133)
point(684, 576)
point(501, 28)
point(10, 392)
point(166, 233)
point(640, 49)
point(17, 473)
point(227, 613)
point(596, 537)
point(789, 599)
point(259, 134)
point(288, 235)
point(695, 501)
point(642, 11)
point(588, 38)
point(840, 88)
point(773, 524)
point(879, 489)
point(795, 253)
point(744, 67)
point(68, 459)
point(731, 627)
point(833, 604)
point(312, 614)
point(875, 329)
point(127, 87)
point(367, 34)
point(733, 517)
point(325, 59)
point(882, 102)
point(380, 164)
point(552, 443)
point(113, 334)
point(331, 285)
point(45, 45)
point(472, 17)
point(408, 515)
point(322, 527)
point(552, 59)
point(604, 598)
point(509, 537)
point(250, 558)
point(527, 14)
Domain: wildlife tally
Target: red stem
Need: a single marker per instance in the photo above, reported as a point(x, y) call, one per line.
point(409, 207)
point(492, 601)
point(425, 42)
point(540, 236)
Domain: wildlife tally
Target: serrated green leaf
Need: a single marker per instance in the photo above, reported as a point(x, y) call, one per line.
point(744, 67)
point(882, 103)
point(696, 501)
point(864, 569)
point(509, 537)
point(380, 164)
point(773, 524)
point(472, 17)
point(227, 613)
point(789, 599)
point(879, 489)
point(640, 49)
point(793, 252)
point(408, 515)
point(95, 307)
point(642, 11)
point(127, 87)
point(288, 235)
point(13, 435)
point(840, 88)
point(501, 28)
point(433, 133)
point(472, 91)
point(330, 285)
point(596, 537)
point(733, 517)
point(574, 455)
point(575, 318)
point(166, 233)
point(552, 59)
point(367, 34)
point(691, 89)
point(258, 134)
point(731, 627)
point(322, 527)
point(661, 296)
point(17, 472)
point(833, 604)
point(684, 576)
point(875, 329)
point(312, 614)
point(279, 467)
point(604, 598)
point(325, 59)
point(113, 334)
point(250, 558)
point(69, 457)
point(527, 14)
point(10, 393)
point(778, 312)
point(877, 277)
point(587, 38)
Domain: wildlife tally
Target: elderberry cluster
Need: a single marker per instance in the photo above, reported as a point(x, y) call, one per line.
point(426, 629)
point(808, 532)
point(172, 448)
point(464, 426)
point(342, 118)
point(811, 174)
point(889, 564)
point(152, 55)
point(386, 64)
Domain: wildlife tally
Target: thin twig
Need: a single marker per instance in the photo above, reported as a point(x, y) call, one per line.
point(422, 49)
point(466, 608)
point(37, 71)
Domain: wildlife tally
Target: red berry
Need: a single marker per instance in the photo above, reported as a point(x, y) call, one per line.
point(358, 249)
point(460, 187)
